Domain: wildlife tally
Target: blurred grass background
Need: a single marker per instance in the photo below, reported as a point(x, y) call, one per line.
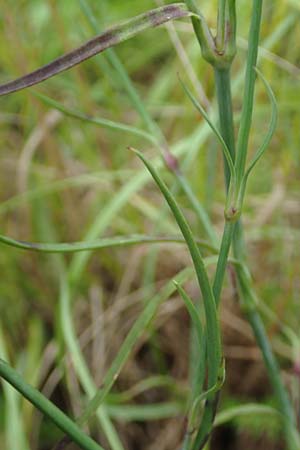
point(61, 177)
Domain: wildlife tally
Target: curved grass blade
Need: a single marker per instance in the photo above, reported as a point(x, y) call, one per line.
point(132, 337)
point(14, 434)
point(81, 368)
point(213, 331)
point(272, 125)
point(98, 44)
point(229, 414)
point(268, 137)
point(118, 241)
point(144, 413)
point(48, 408)
point(155, 381)
point(213, 128)
point(194, 314)
point(106, 123)
point(123, 78)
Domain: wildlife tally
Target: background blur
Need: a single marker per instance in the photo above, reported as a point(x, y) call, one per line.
point(65, 180)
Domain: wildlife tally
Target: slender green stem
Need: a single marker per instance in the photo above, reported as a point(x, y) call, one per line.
point(211, 403)
point(247, 109)
point(220, 38)
point(249, 305)
point(227, 131)
point(213, 331)
point(48, 408)
point(121, 241)
point(222, 260)
point(223, 91)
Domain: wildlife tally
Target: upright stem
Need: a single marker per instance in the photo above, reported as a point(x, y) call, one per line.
point(220, 39)
point(248, 301)
point(227, 131)
point(223, 91)
point(248, 102)
point(222, 260)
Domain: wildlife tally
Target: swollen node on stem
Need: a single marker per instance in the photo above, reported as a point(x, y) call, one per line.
point(219, 51)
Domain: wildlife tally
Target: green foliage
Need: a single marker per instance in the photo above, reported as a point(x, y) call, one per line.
point(87, 324)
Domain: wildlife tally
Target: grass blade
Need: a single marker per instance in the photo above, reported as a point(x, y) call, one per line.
point(136, 331)
point(98, 44)
point(213, 128)
point(213, 332)
point(272, 125)
point(118, 241)
point(48, 408)
point(194, 314)
point(105, 123)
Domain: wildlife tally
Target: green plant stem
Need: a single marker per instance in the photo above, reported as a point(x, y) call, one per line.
point(220, 38)
point(225, 110)
point(249, 304)
point(227, 131)
point(247, 108)
point(214, 351)
point(222, 260)
point(211, 403)
point(48, 408)
point(223, 92)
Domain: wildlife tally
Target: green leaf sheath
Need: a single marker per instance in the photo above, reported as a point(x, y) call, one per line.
point(98, 44)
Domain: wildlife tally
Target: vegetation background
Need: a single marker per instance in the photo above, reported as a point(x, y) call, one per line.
point(65, 180)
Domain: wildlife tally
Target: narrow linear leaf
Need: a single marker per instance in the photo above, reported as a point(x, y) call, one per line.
point(48, 408)
point(98, 44)
point(213, 332)
point(267, 140)
point(130, 341)
point(212, 126)
point(155, 381)
point(118, 241)
point(272, 125)
point(144, 413)
point(106, 123)
point(251, 408)
point(194, 314)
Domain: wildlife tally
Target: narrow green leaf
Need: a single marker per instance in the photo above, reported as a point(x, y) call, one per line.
point(194, 314)
point(272, 125)
point(155, 381)
point(144, 413)
point(213, 331)
point(95, 120)
point(251, 408)
point(131, 339)
point(98, 44)
point(48, 408)
point(267, 140)
point(13, 433)
point(118, 241)
point(213, 128)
